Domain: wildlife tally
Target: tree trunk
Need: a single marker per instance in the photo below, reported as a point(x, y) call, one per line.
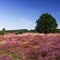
point(45, 32)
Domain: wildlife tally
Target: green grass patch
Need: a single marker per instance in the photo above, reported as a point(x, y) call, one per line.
point(14, 55)
point(2, 42)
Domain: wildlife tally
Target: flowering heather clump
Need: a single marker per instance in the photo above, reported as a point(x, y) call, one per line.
point(30, 47)
point(6, 57)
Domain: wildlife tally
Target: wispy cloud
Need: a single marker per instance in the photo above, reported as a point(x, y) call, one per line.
point(26, 23)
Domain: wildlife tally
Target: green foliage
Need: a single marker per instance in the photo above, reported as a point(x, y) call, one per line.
point(16, 33)
point(3, 31)
point(46, 24)
point(0, 32)
point(33, 31)
point(20, 31)
point(57, 30)
point(14, 55)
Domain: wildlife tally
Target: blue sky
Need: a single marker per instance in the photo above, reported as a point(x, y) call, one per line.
point(22, 14)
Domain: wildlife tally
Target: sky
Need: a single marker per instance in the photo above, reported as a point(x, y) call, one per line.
point(22, 14)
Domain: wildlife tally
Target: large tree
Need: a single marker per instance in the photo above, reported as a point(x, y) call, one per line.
point(46, 23)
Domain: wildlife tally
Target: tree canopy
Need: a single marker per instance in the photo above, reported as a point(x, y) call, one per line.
point(46, 23)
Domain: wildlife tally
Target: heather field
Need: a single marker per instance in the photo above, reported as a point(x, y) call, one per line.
point(30, 46)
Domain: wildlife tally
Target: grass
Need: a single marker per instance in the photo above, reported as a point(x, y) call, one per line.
point(2, 42)
point(14, 56)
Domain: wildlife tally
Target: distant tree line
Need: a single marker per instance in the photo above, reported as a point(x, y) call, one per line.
point(20, 31)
